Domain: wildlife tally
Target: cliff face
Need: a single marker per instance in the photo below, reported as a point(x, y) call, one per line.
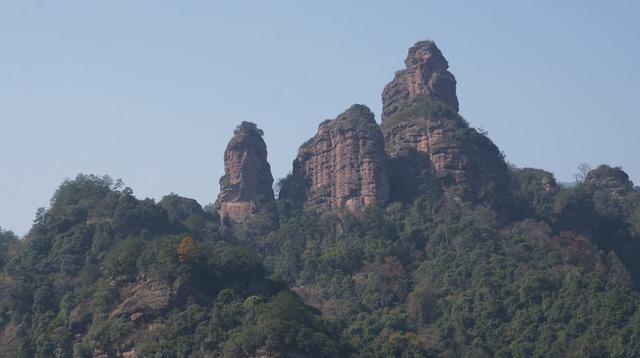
point(425, 75)
point(423, 131)
point(247, 179)
point(342, 166)
point(428, 136)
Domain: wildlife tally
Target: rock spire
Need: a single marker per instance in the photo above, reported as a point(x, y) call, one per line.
point(426, 75)
point(247, 179)
point(424, 132)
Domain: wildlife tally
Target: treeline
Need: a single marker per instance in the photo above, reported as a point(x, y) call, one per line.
point(556, 274)
point(102, 273)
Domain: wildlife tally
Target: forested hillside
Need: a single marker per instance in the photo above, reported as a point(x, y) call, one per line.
point(412, 238)
point(102, 273)
point(558, 277)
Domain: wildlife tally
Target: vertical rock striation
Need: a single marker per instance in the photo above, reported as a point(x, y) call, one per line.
point(343, 166)
point(423, 132)
point(247, 179)
point(425, 75)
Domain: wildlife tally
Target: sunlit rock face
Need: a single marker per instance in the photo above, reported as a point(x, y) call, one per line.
point(247, 177)
point(424, 133)
point(343, 166)
point(425, 75)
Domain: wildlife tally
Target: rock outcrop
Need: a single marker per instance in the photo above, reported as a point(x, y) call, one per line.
point(611, 179)
point(426, 75)
point(343, 166)
point(144, 297)
point(428, 135)
point(423, 132)
point(247, 181)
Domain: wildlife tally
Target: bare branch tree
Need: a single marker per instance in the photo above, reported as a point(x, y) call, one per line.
point(583, 170)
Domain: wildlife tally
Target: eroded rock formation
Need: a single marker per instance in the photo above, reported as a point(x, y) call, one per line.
point(342, 166)
point(611, 179)
point(428, 136)
point(423, 132)
point(425, 75)
point(247, 180)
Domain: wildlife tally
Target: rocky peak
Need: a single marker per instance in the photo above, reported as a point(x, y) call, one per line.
point(424, 132)
point(612, 179)
point(342, 166)
point(426, 75)
point(247, 178)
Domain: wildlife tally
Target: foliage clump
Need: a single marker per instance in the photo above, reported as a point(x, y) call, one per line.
point(248, 128)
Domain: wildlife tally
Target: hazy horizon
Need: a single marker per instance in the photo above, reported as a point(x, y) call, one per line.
point(151, 92)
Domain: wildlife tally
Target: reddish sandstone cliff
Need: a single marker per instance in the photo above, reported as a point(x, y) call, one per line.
point(425, 75)
point(424, 133)
point(247, 179)
point(342, 166)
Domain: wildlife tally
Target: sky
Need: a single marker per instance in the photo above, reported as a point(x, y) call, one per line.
point(150, 91)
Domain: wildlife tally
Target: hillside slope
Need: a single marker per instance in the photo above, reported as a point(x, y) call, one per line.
point(412, 238)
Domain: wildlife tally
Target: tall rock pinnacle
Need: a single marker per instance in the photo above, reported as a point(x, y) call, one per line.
point(247, 179)
point(424, 132)
point(342, 166)
point(425, 75)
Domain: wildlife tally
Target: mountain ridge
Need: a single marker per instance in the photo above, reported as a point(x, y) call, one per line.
point(412, 238)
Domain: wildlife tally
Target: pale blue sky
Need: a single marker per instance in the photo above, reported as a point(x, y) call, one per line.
point(150, 91)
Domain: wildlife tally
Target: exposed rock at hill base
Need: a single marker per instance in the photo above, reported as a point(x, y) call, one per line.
point(247, 180)
point(343, 166)
point(145, 297)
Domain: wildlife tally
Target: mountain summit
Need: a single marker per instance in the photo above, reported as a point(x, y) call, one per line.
point(426, 75)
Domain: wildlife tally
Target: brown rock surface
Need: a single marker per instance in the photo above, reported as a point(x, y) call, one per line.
point(342, 166)
point(9, 338)
point(247, 179)
point(431, 138)
point(147, 296)
point(425, 75)
point(423, 131)
point(129, 354)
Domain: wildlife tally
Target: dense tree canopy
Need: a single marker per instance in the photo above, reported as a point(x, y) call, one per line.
point(102, 273)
